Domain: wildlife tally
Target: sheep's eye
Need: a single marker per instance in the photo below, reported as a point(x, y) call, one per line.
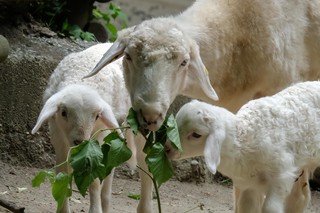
point(184, 63)
point(97, 117)
point(196, 135)
point(127, 56)
point(64, 113)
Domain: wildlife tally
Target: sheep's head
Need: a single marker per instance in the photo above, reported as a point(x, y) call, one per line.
point(77, 112)
point(160, 62)
point(201, 133)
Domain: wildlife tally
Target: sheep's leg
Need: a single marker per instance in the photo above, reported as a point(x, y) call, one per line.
point(248, 201)
point(145, 203)
point(106, 192)
point(61, 148)
point(95, 200)
point(276, 195)
point(300, 195)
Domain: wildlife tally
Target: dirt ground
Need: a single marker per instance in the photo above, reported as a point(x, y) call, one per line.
point(176, 196)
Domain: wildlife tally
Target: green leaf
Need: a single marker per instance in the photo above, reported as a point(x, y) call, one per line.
point(86, 161)
point(113, 31)
point(158, 164)
point(41, 177)
point(149, 143)
point(61, 189)
point(173, 132)
point(87, 36)
point(97, 14)
point(134, 196)
point(115, 152)
point(133, 121)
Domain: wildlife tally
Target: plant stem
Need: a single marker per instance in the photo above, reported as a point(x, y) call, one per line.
point(155, 187)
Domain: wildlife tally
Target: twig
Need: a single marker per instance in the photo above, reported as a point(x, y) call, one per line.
point(11, 206)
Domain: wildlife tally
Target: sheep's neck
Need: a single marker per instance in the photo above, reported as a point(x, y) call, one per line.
point(230, 154)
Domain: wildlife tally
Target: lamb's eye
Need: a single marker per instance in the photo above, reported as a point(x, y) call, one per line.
point(184, 63)
point(64, 113)
point(127, 56)
point(97, 117)
point(196, 135)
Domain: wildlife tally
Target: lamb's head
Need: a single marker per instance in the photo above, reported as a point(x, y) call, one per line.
point(202, 132)
point(160, 62)
point(76, 111)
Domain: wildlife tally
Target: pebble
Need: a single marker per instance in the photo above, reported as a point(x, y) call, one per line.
point(4, 48)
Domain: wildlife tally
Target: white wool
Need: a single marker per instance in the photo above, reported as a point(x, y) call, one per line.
point(76, 109)
point(263, 148)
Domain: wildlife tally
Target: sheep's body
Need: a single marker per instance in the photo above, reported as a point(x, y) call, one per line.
point(250, 49)
point(73, 107)
point(110, 85)
point(263, 148)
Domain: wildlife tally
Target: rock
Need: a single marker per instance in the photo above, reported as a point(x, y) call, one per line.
point(4, 48)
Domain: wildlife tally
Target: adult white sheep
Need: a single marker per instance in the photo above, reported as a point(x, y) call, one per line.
point(75, 109)
point(263, 148)
point(251, 48)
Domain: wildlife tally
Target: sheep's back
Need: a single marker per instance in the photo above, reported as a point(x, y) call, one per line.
point(287, 121)
point(109, 83)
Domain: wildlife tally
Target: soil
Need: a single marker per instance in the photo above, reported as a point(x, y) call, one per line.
point(176, 196)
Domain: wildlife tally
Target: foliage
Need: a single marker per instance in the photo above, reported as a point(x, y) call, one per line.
point(55, 14)
point(113, 14)
point(90, 160)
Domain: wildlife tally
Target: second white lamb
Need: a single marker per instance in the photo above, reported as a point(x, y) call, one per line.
point(264, 148)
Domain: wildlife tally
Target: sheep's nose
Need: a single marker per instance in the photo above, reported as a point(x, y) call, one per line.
point(76, 142)
point(152, 120)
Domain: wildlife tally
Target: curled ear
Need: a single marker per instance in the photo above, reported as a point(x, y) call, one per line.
point(48, 110)
point(198, 82)
point(212, 149)
point(113, 53)
point(108, 118)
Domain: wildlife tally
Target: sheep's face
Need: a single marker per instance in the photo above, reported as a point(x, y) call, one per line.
point(193, 131)
point(76, 112)
point(160, 62)
point(77, 117)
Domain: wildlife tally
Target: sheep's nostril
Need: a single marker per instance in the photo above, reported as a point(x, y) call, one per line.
point(76, 142)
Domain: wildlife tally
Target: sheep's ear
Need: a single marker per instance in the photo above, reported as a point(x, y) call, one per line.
point(198, 82)
point(48, 110)
point(108, 118)
point(212, 149)
point(113, 53)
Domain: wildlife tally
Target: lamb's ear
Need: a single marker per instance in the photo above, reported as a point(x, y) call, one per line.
point(108, 118)
point(198, 82)
point(212, 149)
point(48, 110)
point(113, 53)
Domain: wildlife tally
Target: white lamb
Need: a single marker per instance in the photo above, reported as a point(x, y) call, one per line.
point(263, 148)
point(75, 109)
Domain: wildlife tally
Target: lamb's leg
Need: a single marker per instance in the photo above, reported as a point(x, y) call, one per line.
point(106, 192)
point(145, 203)
point(247, 201)
point(300, 194)
point(276, 195)
point(94, 194)
point(61, 148)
